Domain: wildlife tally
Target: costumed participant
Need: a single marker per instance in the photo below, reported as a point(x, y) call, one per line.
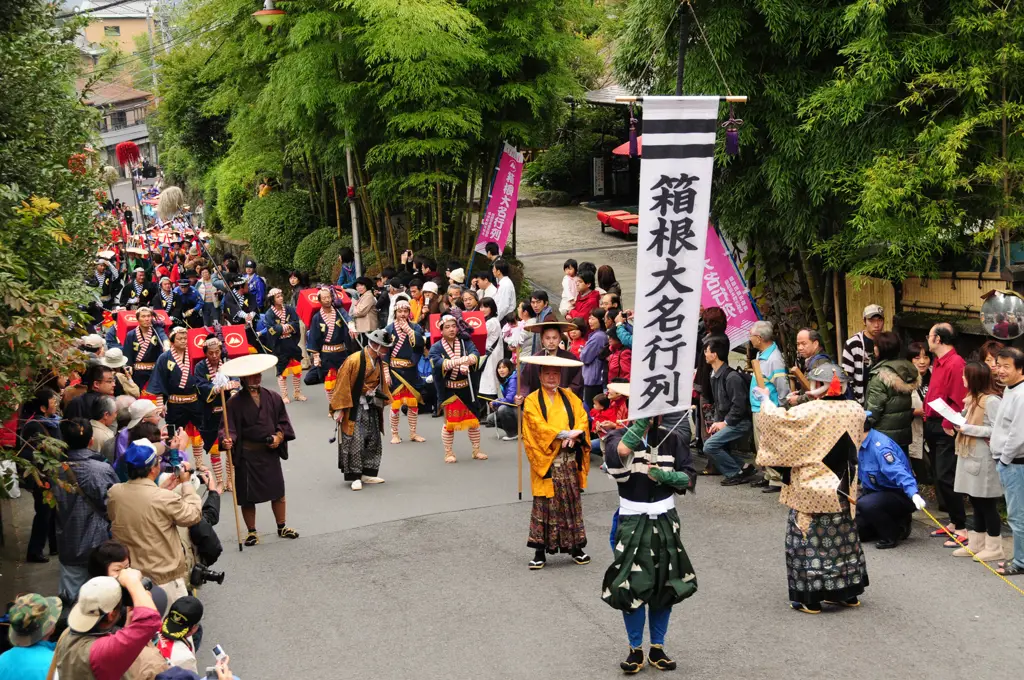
point(143, 345)
point(239, 307)
point(405, 376)
point(213, 409)
point(165, 299)
point(103, 281)
point(187, 306)
point(257, 435)
point(282, 323)
point(257, 286)
point(328, 342)
point(455, 364)
point(888, 491)
point(175, 381)
point(651, 463)
point(550, 335)
point(556, 436)
point(814, 448)
point(137, 259)
point(357, 404)
point(140, 292)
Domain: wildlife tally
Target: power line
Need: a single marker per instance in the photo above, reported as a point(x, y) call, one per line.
point(170, 42)
point(93, 9)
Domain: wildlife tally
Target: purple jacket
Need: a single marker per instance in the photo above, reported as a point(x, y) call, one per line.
point(595, 368)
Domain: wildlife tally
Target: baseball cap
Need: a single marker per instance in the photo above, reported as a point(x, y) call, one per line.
point(873, 310)
point(177, 673)
point(32, 618)
point(139, 409)
point(250, 263)
point(140, 453)
point(185, 613)
point(97, 598)
point(92, 341)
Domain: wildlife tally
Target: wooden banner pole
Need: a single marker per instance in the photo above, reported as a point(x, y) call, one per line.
point(231, 472)
point(519, 447)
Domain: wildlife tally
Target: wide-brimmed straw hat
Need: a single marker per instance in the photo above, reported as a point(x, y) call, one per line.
point(562, 326)
point(619, 388)
point(552, 360)
point(250, 364)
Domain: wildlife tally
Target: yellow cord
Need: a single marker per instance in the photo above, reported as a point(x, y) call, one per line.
point(985, 564)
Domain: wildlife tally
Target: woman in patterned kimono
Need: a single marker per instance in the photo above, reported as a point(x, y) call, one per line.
point(814, 446)
point(405, 376)
point(282, 323)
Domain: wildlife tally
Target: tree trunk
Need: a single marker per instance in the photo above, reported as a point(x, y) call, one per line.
point(816, 301)
point(440, 214)
point(337, 204)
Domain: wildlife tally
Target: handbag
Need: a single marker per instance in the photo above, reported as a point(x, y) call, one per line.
point(425, 370)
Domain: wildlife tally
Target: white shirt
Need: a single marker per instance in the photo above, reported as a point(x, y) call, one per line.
point(490, 291)
point(505, 297)
point(1007, 442)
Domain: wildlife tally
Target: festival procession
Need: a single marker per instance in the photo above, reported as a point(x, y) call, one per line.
point(474, 353)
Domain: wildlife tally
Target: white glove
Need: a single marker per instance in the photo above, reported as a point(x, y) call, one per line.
point(918, 501)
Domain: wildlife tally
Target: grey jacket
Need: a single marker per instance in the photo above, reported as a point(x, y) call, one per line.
point(82, 522)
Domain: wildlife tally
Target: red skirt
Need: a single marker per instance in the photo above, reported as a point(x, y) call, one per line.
point(404, 396)
point(458, 416)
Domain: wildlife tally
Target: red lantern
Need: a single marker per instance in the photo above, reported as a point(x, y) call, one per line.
point(127, 152)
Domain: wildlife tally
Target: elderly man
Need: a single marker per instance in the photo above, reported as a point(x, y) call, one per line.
point(456, 364)
point(812, 354)
point(145, 517)
point(104, 423)
point(556, 436)
point(550, 333)
point(357, 404)
point(257, 433)
point(776, 380)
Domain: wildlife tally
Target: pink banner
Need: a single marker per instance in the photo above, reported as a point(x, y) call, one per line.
point(501, 206)
point(724, 287)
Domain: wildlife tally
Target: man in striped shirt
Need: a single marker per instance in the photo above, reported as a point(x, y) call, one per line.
point(859, 351)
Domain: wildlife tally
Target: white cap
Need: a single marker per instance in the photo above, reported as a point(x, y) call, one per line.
point(97, 598)
point(139, 409)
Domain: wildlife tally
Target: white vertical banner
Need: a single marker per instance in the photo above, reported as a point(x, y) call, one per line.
point(675, 198)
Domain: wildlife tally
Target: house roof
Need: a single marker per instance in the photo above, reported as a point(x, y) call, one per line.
point(104, 94)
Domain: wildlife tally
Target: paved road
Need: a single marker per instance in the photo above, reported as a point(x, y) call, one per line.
point(425, 577)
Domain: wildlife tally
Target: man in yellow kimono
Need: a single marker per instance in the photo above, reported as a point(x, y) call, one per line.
point(357, 402)
point(556, 436)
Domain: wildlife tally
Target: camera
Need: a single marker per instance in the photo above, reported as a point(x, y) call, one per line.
point(269, 440)
point(201, 574)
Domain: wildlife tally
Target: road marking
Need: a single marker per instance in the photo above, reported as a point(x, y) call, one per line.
point(622, 246)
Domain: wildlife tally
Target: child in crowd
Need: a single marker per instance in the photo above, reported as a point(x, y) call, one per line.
point(577, 337)
point(568, 287)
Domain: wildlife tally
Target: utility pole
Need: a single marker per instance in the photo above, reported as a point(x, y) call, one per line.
point(684, 36)
point(152, 68)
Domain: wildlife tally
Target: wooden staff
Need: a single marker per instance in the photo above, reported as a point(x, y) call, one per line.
point(231, 472)
point(799, 375)
point(519, 445)
point(758, 376)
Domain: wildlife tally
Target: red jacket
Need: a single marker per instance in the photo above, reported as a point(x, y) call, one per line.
point(619, 363)
point(577, 345)
point(617, 410)
point(584, 305)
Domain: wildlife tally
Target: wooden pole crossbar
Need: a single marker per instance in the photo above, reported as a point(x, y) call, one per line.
point(735, 99)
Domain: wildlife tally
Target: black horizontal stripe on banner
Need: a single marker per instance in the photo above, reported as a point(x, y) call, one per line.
point(677, 126)
point(662, 151)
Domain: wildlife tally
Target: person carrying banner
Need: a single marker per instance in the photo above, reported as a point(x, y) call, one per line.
point(282, 324)
point(356, 403)
point(455, 364)
point(239, 307)
point(814, 447)
point(140, 292)
point(328, 342)
point(651, 463)
point(213, 408)
point(175, 381)
point(103, 282)
point(142, 346)
point(556, 437)
point(409, 346)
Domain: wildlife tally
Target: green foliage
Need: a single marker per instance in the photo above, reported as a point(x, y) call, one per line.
point(234, 189)
point(587, 132)
point(307, 255)
point(277, 223)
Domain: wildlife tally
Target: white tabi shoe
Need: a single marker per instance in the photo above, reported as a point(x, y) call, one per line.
point(357, 485)
point(372, 480)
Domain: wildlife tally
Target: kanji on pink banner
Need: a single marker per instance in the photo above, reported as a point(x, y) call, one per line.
point(724, 287)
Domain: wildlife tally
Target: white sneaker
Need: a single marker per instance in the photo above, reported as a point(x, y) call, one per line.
point(507, 438)
point(357, 485)
point(372, 480)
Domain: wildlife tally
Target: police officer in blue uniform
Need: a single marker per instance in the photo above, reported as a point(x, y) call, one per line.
point(888, 491)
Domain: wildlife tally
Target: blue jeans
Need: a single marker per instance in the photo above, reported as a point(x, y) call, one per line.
point(1012, 477)
point(635, 625)
point(717, 447)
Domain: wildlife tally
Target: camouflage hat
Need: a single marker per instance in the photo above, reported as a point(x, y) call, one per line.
point(32, 618)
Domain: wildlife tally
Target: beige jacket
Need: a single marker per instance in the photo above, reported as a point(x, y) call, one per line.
point(364, 313)
point(145, 519)
point(101, 434)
